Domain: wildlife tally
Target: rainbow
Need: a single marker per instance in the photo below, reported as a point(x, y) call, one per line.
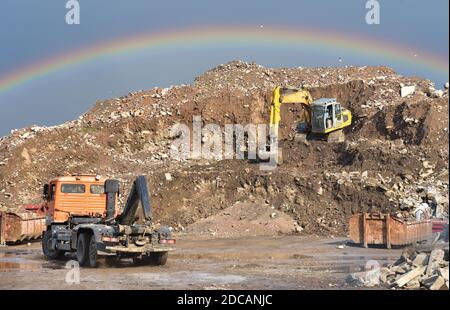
point(198, 37)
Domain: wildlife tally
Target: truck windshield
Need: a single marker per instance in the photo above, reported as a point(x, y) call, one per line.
point(73, 188)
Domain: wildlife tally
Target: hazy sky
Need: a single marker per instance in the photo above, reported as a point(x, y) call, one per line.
point(33, 30)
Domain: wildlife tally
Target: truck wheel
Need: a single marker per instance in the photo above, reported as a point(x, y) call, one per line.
point(158, 258)
point(46, 246)
point(87, 250)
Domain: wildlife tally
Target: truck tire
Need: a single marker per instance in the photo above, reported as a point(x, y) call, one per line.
point(87, 250)
point(46, 246)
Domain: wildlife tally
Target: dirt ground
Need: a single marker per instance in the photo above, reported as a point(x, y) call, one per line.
point(270, 262)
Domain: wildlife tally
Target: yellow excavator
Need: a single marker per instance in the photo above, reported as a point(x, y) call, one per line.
point(323, 118)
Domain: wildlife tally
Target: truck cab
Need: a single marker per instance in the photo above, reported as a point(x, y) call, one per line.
point(76, 196)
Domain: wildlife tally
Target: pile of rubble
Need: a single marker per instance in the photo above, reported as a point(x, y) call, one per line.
point(415, 269)
point(395, 157)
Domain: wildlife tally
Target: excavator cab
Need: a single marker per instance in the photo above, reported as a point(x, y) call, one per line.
point(328, 116)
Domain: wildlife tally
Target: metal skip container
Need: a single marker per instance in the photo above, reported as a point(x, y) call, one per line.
point(17, 227)
point(383, 229)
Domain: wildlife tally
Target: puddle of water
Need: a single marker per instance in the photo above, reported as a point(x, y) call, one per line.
point(9, 266)
point(10, 263)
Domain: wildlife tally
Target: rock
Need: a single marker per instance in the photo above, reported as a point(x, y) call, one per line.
point(439, 93)
point(124, 114)
point(386, 274)
point(320, 191)
point(273, 215)
point(369, 278)
point(433, 283)
point(168, 177)
point(401, 281)
point(298, 228)
point(398, 269)
point(414, 284)
point(405, 91)
point(443, 272)
point(371, 182)
point(446, 85)
point(431, 91)
point(436, 257)
point(427, 281)
point(420, 260)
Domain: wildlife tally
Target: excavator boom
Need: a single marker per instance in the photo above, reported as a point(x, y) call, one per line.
point(289, 95)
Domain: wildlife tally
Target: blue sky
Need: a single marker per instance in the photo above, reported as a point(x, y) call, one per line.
point(33, 30)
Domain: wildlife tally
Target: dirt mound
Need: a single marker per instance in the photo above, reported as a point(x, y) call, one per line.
point(397, 148)
point(245, 219)
point(422, 122)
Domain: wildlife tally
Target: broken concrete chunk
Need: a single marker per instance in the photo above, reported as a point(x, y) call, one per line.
point(365, 278)
point(406, 91)
point(443, 272)
point(398, 269)
point(401, 281)
point(428, 281)
point(168, 177)
point(386, 274)
point(420, 260)
point(436, 257)
point(413, 284)
point(437, 284)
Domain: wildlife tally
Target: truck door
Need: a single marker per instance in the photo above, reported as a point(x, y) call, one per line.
point(51, 197)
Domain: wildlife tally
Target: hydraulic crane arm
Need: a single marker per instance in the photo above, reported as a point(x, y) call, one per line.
point(138, 195)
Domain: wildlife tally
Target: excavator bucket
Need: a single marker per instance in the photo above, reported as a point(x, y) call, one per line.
point(18, 227)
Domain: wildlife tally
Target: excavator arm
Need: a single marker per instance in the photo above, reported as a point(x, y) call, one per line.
point(288, 95)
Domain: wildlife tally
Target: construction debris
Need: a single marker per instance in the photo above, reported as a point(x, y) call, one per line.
point(406, 91)
point(413, 270)
point(394, 160)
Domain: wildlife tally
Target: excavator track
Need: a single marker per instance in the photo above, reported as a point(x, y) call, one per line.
point(336, 136)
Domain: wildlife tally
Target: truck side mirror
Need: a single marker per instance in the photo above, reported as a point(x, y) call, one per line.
point(45, 191)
